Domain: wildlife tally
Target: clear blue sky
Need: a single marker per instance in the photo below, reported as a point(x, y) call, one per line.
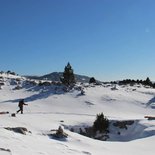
point(107, 39)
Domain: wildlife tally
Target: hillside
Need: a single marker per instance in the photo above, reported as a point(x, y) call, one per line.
point(55, 76)
point(51, 106)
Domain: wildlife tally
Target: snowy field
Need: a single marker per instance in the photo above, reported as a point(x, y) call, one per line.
point(49, 107)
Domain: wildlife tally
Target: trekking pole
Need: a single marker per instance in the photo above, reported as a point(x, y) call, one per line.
point(28, 109)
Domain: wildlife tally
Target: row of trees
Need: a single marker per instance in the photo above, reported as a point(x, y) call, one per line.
point(8, 72)
point(146, 82)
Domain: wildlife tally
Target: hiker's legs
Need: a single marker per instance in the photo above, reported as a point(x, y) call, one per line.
point(18, 111)
point(21, 109)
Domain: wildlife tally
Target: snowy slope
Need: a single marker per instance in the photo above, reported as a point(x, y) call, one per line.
point(48, 107)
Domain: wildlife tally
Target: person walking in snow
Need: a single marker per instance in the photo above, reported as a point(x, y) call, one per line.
point(20, 105)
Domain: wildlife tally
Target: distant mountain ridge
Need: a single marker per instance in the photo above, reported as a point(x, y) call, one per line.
point(55, 76)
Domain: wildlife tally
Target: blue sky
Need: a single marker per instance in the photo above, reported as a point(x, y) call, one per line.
point(107, 39)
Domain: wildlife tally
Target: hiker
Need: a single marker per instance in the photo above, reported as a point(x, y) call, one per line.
point(20, 105)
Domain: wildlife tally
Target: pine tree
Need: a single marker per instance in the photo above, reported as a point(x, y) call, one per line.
point(148, 82)
point(92, 80)
point(68, 75)
point(101, 123)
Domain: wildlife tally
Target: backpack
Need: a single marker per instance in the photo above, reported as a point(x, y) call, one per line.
point(20, 104)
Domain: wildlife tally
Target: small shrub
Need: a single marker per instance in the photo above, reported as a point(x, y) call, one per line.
point(101, 123)
point(92, 80)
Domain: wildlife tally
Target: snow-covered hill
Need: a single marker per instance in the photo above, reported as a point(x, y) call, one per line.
point(55, 76)
point(50, 106)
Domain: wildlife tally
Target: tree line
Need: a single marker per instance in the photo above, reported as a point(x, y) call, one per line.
point(146, 82)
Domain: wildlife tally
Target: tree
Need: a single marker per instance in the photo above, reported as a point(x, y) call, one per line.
point(147, 82)
point(101, 123)
point(68, 75)
point(92, 80)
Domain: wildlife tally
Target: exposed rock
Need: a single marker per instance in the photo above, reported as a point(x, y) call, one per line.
point(4, 112)
point(58, 134)
point(20, 130)
point(150, 117)
point(2, 83)
point(18, 88)
point(123, 124)
point(13, 115)
point(3, 149)
point(45, 83)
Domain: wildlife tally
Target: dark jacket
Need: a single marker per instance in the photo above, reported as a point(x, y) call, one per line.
point(21, 103)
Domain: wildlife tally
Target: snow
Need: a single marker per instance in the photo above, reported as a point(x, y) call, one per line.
point(48, 109)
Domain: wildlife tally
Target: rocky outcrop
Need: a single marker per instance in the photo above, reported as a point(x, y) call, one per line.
point(20, 130)
point(123, 124)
